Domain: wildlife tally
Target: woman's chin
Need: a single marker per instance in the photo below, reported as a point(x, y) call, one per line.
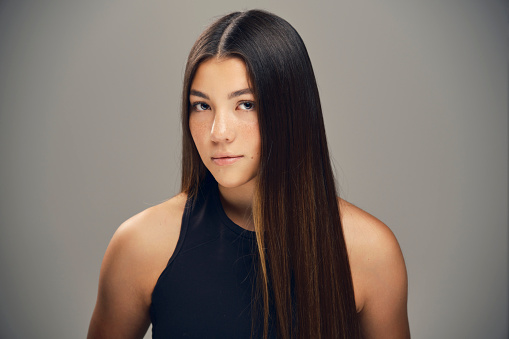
point(231, 182)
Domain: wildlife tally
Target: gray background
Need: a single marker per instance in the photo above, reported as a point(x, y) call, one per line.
point(415, 102)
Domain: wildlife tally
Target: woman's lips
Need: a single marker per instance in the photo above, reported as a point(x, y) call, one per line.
point(227, 160)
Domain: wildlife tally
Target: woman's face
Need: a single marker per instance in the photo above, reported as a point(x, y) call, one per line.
point(224, 123)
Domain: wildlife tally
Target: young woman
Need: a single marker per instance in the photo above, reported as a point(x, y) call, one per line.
point(257, 244)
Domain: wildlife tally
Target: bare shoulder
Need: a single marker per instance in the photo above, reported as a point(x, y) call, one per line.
point(153, 222)
point(367, 237)
point(378, 273)
point(138, 252)
point(148, 239)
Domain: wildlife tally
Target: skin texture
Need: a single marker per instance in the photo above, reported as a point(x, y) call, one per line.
point(224, 124)
point(134, 259)
point(378, 273)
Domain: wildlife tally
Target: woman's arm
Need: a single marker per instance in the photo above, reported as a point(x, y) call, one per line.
point(121, 310)
point(384, 313)
point(379, 275)
point(134, 259)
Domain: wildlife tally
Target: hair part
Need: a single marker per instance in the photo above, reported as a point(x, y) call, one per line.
point(304, 272)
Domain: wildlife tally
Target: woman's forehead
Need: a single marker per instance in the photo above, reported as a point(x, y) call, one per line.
point(219, 76)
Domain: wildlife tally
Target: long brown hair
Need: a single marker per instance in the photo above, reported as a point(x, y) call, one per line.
point(304, 273)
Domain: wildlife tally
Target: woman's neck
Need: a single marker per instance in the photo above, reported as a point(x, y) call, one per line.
point(237, 203)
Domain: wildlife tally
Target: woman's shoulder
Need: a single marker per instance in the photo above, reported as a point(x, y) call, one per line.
point(152, 224)
point(146, 241)
point(365, 233)
point(137, 254)
point(155, 221)
point(376, 260)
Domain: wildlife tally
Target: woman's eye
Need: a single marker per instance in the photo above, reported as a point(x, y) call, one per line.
point(248, 105)
point(200, 106)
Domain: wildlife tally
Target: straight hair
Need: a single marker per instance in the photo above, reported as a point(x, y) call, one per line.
point(303, 270)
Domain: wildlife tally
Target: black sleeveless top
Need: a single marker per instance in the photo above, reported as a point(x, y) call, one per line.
point(206, 290)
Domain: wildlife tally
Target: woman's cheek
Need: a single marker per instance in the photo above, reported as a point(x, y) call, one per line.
point(198, 128)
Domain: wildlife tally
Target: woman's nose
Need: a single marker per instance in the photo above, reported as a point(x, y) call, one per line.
point(223, 129)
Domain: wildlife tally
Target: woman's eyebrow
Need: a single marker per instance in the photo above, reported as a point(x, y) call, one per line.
point(199, 94)
point(240, 92)
point(230, 96)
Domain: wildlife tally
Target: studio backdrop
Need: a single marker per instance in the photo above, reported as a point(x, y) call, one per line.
point(414, 95)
